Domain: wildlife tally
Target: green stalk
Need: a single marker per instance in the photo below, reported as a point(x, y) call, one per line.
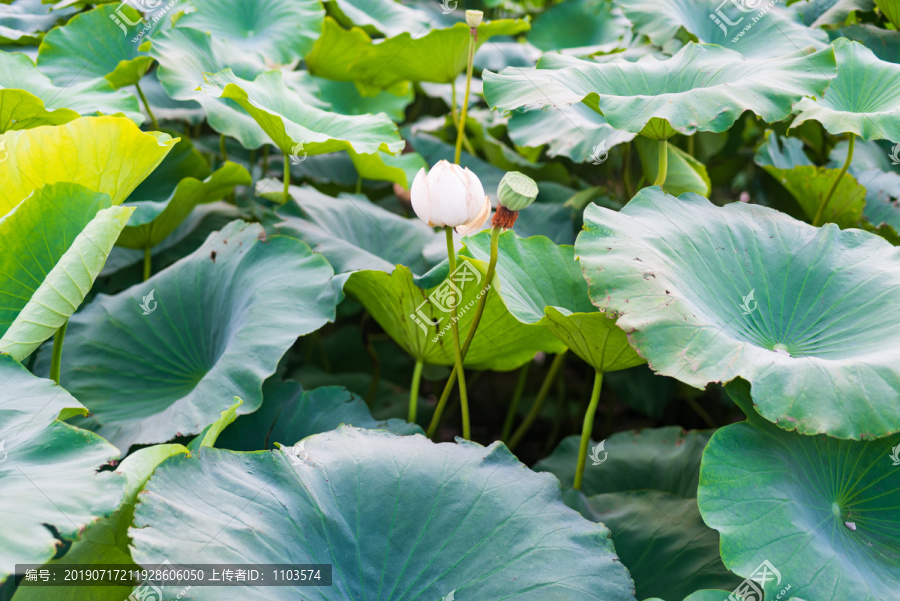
point(414, 392)
point(265, 160)
point(817, 220)
point(626, 171)
point(222, 149)
point(460, 371)
point(479, 310)
point(359, 184)
point(663, 163)
point(56, 361)
point(147, 263)
point(287, 178)
point(587, 428)
point(147, 106)
point(461, 131)
point(539, 401)
point(514, 404)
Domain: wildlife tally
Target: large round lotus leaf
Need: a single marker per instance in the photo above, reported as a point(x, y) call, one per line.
point(398, 517)
point(104, 154)
point(885, 43)
point(184, 55)
point(891, 10)
point(28, 98)
point(290, 414)
point(23, 22)
point(418, 318)
point(541, 283)
point(666, 459)
point(92, 46)
point(581, 27)
point(438, 56)
point(809, 184)
point(864, 98)
point(710, 293)
point(386, 17)
point(48, 470)
point(728, 24)
point(106, 541)
point(822, 511)
point(343, 97)
point(279, 29)
point(702, 88)
point(52, 248)
point(644, 490)
point(572, 131)
point(219, 321)
point(355, 234)
point(290, 122)
point(707, 595)
point(816, 13)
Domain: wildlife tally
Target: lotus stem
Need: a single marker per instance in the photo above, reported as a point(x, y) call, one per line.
point(626, 171)
point(359, 184)
point(56, 360)
point(265, 160)
point(147, 106)
point(514, 404)
point(287, 178)
point(222, 149)
point(587, 428)
point(414, 391)
point(461, 128)
point(479, 310)
point(663, 163)
point(460, 371)
point(148, 263)
point(539, 401)
point(820, 214)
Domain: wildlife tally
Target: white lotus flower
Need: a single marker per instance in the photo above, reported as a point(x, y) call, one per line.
point(450, 195)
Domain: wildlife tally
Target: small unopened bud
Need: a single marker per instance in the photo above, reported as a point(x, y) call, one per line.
point(474, 17)
point(516, 191)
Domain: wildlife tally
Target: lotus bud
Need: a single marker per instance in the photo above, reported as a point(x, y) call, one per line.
point(450, 196)
point(474, 17)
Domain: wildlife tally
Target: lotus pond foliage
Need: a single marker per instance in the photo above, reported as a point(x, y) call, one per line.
point(576, 300)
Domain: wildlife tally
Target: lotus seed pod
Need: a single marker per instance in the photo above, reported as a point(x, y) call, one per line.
point(474, 17)
point(516, 191)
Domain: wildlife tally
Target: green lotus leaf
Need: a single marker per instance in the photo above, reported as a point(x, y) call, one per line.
point(702, 88)
point(344, 98)
point(708, 294)
point(438, 56)
point(29, 99)
point(581, 27)
point(184, 55)
point(821, 511)
point(166, 108)
point(890, 10)
point(106, 541)
point(683, 174)
point(818, 13)
point(290, 414)
point(289, 122)
point(182, 344)
point(52, 248)
point(385, 17)
point(643, 487)
point(92, 46)
point(355, 235)
point(404, 309)
point(210, 434)
point(23, 22)
point(731, 25)
point(153, 221)
point(809, 184)
point(573, 131)
point(52, 489)
point(541, 284)
point(885, 43)
point(399, 169)
point(279, 29)
point(104, 154)
point(864, 99)
point(882, 207)
point(708, 595)
point(665, 459)
point(463, 508)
